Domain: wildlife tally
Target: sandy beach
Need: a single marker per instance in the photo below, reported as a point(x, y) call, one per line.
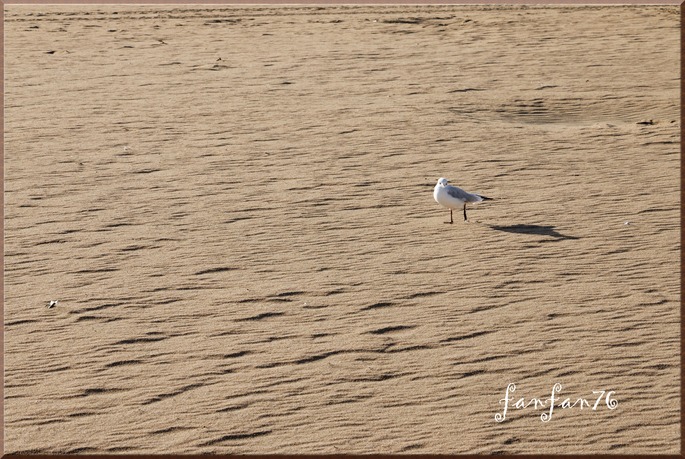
point(233, 207)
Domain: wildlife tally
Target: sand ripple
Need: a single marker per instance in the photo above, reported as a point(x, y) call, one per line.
point(233, 206)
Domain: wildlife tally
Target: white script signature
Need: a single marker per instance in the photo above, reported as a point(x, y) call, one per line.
point(599, 399)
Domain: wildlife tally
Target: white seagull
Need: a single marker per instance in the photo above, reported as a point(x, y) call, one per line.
point(52, 303)
point(454, 197)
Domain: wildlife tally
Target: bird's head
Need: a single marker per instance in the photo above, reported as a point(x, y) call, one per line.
point(443, 182)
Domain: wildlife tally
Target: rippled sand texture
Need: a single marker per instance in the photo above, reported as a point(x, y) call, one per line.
point(248, 257)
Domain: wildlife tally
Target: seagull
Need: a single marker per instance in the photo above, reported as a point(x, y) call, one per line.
point(52, 303)
point(454, 197)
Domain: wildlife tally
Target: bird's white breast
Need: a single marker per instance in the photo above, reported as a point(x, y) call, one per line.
point(444, 199)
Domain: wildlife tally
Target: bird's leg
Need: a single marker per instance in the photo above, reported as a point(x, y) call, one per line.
point(464, 211)
point(450, 217)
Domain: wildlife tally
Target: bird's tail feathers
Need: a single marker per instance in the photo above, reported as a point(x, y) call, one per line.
point(485, 198)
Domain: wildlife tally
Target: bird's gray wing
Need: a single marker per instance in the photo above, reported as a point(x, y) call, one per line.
point(462, 195)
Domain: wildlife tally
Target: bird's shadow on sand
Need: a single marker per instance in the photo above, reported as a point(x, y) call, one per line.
point(537, 230)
